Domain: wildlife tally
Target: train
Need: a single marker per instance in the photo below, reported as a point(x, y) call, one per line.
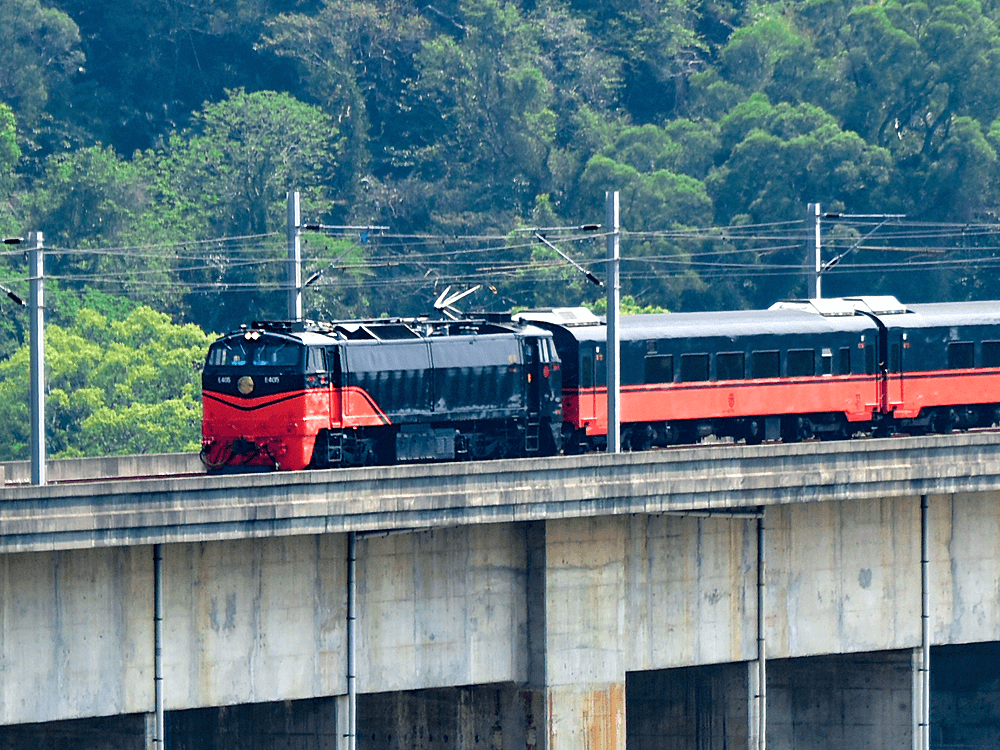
point(296, 395)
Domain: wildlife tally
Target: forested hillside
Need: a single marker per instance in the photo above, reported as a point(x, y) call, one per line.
point(153, 142)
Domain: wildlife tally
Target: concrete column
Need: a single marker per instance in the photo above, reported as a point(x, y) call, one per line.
point(584, 613)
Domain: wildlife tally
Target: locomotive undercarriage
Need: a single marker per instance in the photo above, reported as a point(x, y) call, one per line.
point(462, 441)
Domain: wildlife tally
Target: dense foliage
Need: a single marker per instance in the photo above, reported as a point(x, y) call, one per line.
point(154, 143)
point(128, 386)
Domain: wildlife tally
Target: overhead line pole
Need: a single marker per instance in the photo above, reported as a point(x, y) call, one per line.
point(36, 314)
point(614, 336)
point(294, 258)
point(815, 279)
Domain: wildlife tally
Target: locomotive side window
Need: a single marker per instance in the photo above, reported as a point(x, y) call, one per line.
point(959, 355)
point(730, 366)
point(659, 369)
point(316, 361)
point(991, 354)
point(869, 360)
point(765, 365)
point(827, 356)
point(694, 368)
point(801, 363)
point(845, 361)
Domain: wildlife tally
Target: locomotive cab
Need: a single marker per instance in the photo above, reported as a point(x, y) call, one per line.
point(263, 393)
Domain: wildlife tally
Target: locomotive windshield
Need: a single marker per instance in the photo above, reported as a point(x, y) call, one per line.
point(263, 352)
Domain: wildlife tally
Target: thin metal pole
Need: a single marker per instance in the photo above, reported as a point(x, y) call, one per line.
point(925, 629)
point(294, 258)
point(761, 639)
point(158, 740)
point(352, 593)
point(815, 280)
point(613, 342)
point(36, 304)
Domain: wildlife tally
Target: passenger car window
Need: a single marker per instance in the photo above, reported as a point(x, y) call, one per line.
point(694, 368)
point(730, 366)
point(801, 363)
point(960, 355)
point(991, 354)
point(845, 361)
point(765, 365)
point(659, 369)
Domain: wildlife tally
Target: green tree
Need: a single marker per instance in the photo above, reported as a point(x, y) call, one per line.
point(228, 176)
point(10, 155)
point(357, 57)
point(150, 63)
point(483, 109)
point(40, 56)
point(652, 202)
point(113, 387)
point(777, 158)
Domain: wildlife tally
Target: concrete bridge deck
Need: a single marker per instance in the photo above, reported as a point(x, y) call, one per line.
point(577, 603)
point(704, 478)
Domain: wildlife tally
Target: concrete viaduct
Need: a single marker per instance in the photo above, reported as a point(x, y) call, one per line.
point(809, 596)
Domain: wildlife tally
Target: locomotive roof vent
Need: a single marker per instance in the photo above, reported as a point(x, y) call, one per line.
point(565, 316)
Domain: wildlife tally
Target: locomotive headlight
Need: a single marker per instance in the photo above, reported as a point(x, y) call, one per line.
point(245, 385)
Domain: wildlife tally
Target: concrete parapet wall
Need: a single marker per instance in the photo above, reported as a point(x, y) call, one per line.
point(104, 467)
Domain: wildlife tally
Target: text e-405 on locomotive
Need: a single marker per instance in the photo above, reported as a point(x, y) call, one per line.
point(292, 395)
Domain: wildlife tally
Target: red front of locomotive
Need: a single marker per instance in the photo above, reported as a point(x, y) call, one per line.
point(265, 397)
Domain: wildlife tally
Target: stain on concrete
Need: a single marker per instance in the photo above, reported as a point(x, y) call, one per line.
point(865, 578)
point(603, 717)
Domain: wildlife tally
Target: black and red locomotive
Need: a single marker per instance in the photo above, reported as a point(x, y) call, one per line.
point(292, 395)
point(297, 395)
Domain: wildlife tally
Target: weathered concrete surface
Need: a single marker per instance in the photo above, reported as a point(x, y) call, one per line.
point(203, 508)
point(75, 634)
point(845, 577)
point(254, 621)
point(442, 607)
point(690, 590)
